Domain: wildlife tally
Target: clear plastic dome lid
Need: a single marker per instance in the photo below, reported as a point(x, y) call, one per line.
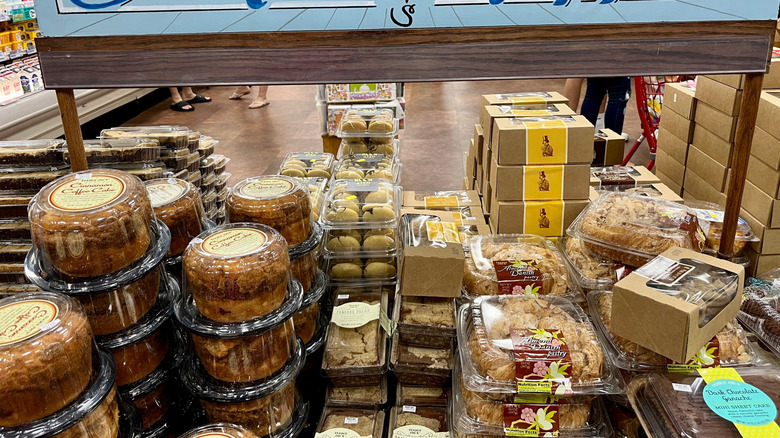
point(268, 187)
point(219, 430)
point(236, 241)
point(164, 191)
point(88, 191)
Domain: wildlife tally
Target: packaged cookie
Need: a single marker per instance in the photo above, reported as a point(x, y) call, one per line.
point(421, 365)
point(368, 167)
point(307, 165)
point(634, 229)
point(225, 430)
point(377, 145)
point(278, 201)
point(377, 242)
point(178, 204)
point(425, 321)
point(91, 223)
point(170, 137)
point(357, 339)
point(207, 146)
point(372, 396)
point(514, 264)
point(272, 408)
point(698, 405)
point(729, 348)
point(237, 272)
point(591, 270)
point(361, 204)
point(317, 188)
point(31, 152)
point(30, 178)
point(13, 205)
point(243, 351)
point(523, 344)
point(710, 218)
point(413, 421)
point(415, 395)
point(361, 269)
point(366, 423)
point(368, 124)
point(120, 150)
point(51, 332)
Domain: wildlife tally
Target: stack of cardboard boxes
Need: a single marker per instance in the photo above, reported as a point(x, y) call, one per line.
point(675, 134)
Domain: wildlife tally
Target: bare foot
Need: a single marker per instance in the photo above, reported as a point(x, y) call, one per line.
point(259, 104)
point(239, 93)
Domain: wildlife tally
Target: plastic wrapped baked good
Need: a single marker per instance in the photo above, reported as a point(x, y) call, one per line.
point(591, 270)
point(13, 205)
point(675, 405)
point(120, 150)
point(729, 348)
point(306, 322)
point(368, 167)
point(634, 229)
point(377, 243)
point(317, 188)
point(514, 264)
point(45, 355)
point(711, 222)
point(367, 423)
point(361, 269)
point(377, 145)
point(225, 430)
point(153, 396)
point(372, 396)
point(304, 268)
point(415, 395)
point(177, 203)
point(425, 321)
point(207, 146)
point(14, 252)
point(30, 178)
point(361, 204)
point(414, 421)
point(278, 201)
point(31, 152)
point(307, 164)
point(368, 124)
point(421, 365)
point(170, 137)
point(15, 230)
point(237, 272)
point(221, 164)
point(91, 223)
point(356, 341)
point(522, 344)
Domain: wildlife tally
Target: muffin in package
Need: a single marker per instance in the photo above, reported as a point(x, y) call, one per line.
point(178, 204)
point(91, 223)
point(523, 344)
point(711, 221)
point(729, 348)
point(634, 229)
point(237, 272)
point(514, 264)
point(279, 201)
point(45, 355)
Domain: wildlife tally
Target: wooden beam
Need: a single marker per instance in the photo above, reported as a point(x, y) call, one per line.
point(70, 122)
point(743, 141)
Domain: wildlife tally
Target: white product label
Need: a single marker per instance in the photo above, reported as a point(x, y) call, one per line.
point(417, 432)
point(354, 315)
point(350, 420)
point(410, 409)
point(681, 387)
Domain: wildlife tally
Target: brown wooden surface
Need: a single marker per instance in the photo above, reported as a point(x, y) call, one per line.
point(743, 141)
point(410, 55)
point(70, 122)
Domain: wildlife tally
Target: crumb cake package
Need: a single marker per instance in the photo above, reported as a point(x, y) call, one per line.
point(695, 295)
point(365, 423)
point(414, 421)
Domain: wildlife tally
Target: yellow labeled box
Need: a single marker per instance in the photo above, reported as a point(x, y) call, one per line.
point(539, 183)
point(543, 140)
point(525, 98)
point(543, 218)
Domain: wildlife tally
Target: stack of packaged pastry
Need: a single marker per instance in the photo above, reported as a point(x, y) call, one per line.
point(95, 239)
point(239, 301)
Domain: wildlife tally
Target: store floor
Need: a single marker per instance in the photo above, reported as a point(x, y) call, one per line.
point(439, 124)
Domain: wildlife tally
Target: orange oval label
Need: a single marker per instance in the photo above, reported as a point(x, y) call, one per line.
point(266, 187)
point(25, 319)
point(86, 192)
point(164, 192)
point(234, 242)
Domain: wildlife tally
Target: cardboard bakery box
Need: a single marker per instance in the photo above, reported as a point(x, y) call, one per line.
point(720, 96)
point(432, 257)
point(647, 307)
point(766, 148)
point(525, 98)
point(764, 177)
point(673, 186)
point(487, 198)
point(681, 98)
point(539, 183)
point(542, 140)
point(761, 263)
point(657, 190)
point(707, 168)
point(479, 142)
point(622, 176)
point(479, 183)
point(676, 147)
point(543, 218)
point(770, 237)
point(677, 125)
point(699, 188)
point(670, 167)
point(487, 154)
point(471, 162)
point(412, 199)
point(719, 123)
point(608, 148)
point(713, 146)
point(769, 113)
point(762, 206)
point(467, 183)
point(490, 113)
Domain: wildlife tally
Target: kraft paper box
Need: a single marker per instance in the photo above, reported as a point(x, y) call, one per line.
point(673, 186)
point(680, 98)
point(676, 147)
point(444, 200)
point(487, 198)
point(539, 183)
point(479, 183)
point(645, 310)
point(719, 96)
point(770, 237)
point(713, 146)
point(432, 257)
point(608, 148)
point(764, 177)
point(621, 176)
point(769, 113)
point(670, 167)
point(479, 142)
point(657, 190)
point(543, 218)
point(761, 206)
point(707, 168)
point(677, 125)
point(543, 140)
point(491, 112)
point(525, 98)
point(487, 154)
point(471, 162)
point(766, 148)
point(700, 189)
point(719, 123)
point(761, 263)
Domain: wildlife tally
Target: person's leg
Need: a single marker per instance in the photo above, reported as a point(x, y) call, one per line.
point(594, 94)
point(619, 90)
point(240, 92)
point(176, 101)
point(572, 90)
point(262, 97)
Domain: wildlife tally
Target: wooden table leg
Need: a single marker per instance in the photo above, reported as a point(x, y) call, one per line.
point(70, 122)
point(751, 96)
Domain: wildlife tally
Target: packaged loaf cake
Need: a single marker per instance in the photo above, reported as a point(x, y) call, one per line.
point(367, 423)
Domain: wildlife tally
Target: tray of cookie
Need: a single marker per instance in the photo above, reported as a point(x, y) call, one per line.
point(368, 167)
point(633, 229)
point(317, 187)
point(368, 124)
point(307, 165)
point(376, 145)
point(361, 204)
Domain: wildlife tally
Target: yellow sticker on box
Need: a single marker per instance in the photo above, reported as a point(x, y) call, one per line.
point(543, 218)
point(446, 232)
point(441, 202)
point(546, 141)
point(542, 182)
point(527, 100)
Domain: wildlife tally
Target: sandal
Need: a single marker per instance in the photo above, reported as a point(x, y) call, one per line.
point(238, 96)
point(199, 99)
point(255, 105)
point(181, 106)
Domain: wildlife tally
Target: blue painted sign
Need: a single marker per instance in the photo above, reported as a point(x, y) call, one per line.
point(154, 17)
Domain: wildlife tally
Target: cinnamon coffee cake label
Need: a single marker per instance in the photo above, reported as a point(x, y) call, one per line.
point(546, 140)
point(355, 314)
point(531, 420)
point(542, 361)
point(518, 277)
point(432, 202)
point(707, 357)
point(165, 192)
point(542, 182)
point(234, 242)
point(86, 191)
point(24, 319)
point(415, 431)
point(266, 187)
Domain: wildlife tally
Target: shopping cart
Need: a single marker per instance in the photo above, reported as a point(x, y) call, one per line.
point(649, 100)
